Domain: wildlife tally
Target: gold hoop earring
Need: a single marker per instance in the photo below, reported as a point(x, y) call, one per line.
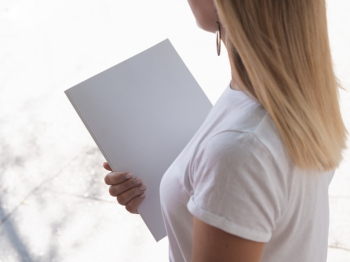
point(218, 39)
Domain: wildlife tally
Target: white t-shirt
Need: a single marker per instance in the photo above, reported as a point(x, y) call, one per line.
point(235, 174)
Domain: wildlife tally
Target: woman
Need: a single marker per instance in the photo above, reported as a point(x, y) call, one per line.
point(252, 184)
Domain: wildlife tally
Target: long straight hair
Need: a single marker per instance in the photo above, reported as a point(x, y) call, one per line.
point(280, 54)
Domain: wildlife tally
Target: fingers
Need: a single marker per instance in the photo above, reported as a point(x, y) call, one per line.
point(126, 197)
point(131, 198)
point(134, 204)
point(127, 190)
point(114, 178)
point(106, 166)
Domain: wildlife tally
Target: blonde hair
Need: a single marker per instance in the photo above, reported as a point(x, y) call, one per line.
point(280, 54)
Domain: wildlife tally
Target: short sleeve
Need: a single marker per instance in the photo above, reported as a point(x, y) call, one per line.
point(236, 186)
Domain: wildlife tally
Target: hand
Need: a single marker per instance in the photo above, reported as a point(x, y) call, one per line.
point(125, 189)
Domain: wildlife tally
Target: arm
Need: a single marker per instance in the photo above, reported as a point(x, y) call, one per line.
point(213, 244)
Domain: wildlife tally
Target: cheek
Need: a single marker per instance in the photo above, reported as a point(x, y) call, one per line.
point(204, 13)
point(195, 7)
point(198, 24)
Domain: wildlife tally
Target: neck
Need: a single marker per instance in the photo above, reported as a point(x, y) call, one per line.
point(233, 83)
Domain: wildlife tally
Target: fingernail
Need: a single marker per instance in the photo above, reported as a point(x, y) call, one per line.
point(143, 195)
point(143, 187)
point(137, 181)
point(128, 175)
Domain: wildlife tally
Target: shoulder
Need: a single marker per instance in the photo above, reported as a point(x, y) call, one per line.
point(257, 139)
point(247, 158)
point(236, 146)
point(235, 177)
point(236, 156)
